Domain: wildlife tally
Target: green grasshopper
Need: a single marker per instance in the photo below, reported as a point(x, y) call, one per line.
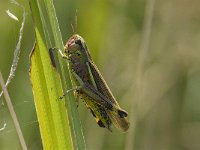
point(91, 87)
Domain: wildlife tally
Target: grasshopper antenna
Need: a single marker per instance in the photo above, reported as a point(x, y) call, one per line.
point(76, 19)
point(74, 28)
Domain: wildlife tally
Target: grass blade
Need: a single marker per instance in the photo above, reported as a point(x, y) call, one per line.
point(46, 86)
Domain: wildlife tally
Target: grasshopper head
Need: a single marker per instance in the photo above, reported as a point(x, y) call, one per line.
point(74, 45)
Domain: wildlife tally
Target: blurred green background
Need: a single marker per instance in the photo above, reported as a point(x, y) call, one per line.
point(156, 78)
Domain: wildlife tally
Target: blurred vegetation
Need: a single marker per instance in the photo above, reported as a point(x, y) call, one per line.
point(163, 100)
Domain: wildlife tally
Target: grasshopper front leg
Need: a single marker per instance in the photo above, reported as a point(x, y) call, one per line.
point(61, 53)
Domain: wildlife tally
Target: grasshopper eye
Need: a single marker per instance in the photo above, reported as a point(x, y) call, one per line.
point(78, 42)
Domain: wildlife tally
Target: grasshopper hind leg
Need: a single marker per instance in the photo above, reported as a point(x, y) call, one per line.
point(100, 115)
point(102, 118)
point(99, 122)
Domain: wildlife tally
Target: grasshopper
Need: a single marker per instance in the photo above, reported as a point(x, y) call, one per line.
point(91, 87)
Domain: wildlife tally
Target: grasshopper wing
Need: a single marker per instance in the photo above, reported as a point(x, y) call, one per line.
point(118, 120)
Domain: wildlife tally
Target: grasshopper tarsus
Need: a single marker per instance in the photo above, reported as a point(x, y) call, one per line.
point(54, 49)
